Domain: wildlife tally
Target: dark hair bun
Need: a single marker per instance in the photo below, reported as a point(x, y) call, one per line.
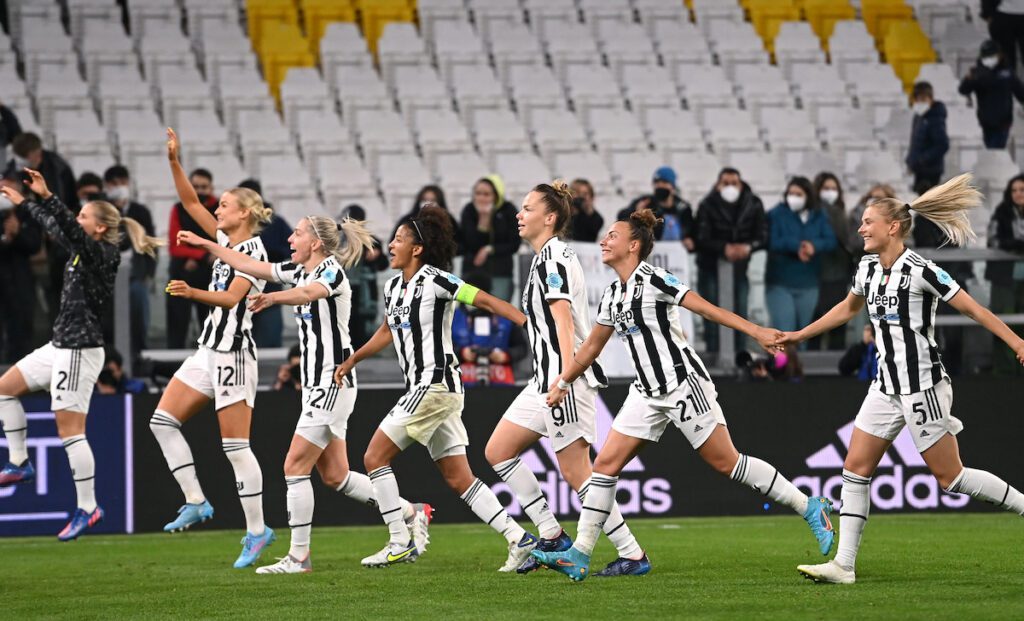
point(645, 218)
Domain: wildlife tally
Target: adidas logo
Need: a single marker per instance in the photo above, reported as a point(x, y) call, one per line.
point(309, 414)
point(57, 398)
point(559, 435)
point(225, 394)
point(924, 433)
point(697, 428)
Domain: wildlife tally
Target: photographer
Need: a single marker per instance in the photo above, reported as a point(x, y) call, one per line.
point(112, 380)
point(781, 366)
point(862, 358)
point(488, 345)
point(586, 222)
point(289, 375)
point(20, 238)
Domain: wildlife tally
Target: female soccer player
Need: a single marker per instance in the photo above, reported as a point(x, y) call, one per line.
point(70, 363)
point(418, 320)
point(223, 369)
point(912, 389)
point(322, 297)
point(557, 320)
point(672, 385)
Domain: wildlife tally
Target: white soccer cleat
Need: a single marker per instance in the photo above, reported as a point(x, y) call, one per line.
point(519, 552)
point(831, 572)
point(392, 554)
point(419, 525)
point(287, 565)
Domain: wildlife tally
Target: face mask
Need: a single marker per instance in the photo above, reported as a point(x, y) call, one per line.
point(119, 193)
point(920, 107)
point(990, 61)
point(829, 196)
point(20, 163)
point(661, 194)
point(5, 203)
point(730, 193)
point(796, 203)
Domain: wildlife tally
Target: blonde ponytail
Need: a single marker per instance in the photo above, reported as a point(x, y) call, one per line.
point(110, 217)
point(259, 213)
point(140, 241)
point(357, 241)
point(948, 205)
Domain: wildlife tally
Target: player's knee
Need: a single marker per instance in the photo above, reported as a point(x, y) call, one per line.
point(606, 465)
point(947, 478)
point(495, 454)
point(722, 464)
point(373, 460)
point(458, 482)
point(334, 478)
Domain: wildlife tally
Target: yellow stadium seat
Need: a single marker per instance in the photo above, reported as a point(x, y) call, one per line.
point(877, 12)
point(823, 15)
point(767, 16)
point(261, 13)
point(283, 46)
point(316, 14)
point(375, 13)
point(906, 48)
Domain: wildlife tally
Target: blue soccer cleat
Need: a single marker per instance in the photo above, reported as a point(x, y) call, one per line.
point(626, 567)
point(253, 546)
point(11, 474)
point(560, 543)
point(79, 522)
point(816, 516)
point(189, 515)
point(571, 562)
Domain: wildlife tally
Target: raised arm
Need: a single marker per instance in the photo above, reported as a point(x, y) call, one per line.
point(186, 193)
point(238, 260)
point(296, 296)
point(969, 307)
point(765, 337)
point(380, 339)
point(56, 218)
point(840, 314)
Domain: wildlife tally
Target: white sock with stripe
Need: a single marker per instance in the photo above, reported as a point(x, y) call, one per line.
point(15, 425)
point(765, 478)
point(385, 490)
point(357, 486)
point(300, 514)
point(597, 508)
point(167, 431)
point(988, 487)
point(485, 505)
point(853, 517)
point(525, 486)
point(616, 529)
point(248, 480)
point(83, 470)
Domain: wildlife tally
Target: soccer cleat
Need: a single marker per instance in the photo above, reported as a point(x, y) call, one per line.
point(571, 562)
point(816, 516)
point(419, 525)
point(189, 515)
point(392, 555)
point(287, 565)
point(253, 546)
point(558, 544)
point(519, 552)
point(79, 522)
point(831, 572)
point(11, 474)
point(626, 567)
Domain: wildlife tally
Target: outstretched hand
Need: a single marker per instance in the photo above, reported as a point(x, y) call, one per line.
point(260, 301)
point(37, 183)
point(12, 195)
point(191, 239)
point(788, 338)
point(768, 339)
point(173, 145)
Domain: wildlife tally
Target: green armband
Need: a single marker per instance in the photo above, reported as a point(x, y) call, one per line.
point(466, 294)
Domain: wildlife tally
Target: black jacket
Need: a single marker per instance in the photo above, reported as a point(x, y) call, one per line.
point(16, 253)
point(1001, 236)
point(928, 235)
point(680, 208)
point(586, 228)
point(143, 266)
point(994, 91)
point(720, 223)
point(275, 240)
point(504, 236)
point(9, 126)
point(929, 142)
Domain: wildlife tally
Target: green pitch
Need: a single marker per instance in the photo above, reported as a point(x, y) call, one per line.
point(968, 566)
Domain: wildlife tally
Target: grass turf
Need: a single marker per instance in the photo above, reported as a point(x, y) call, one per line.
point(962, 566)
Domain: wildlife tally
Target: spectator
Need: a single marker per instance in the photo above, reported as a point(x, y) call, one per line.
point(29, 153)
point(192, 265)
point(784, 366)
point(268, 324)
point(586, 222)
point(490, 234)
point(430, 194)
point(488, 345)
point(730, 225)
point(994, 85)
point(89, 187)
point(928, 139)
point(856, 242)
point(20, 238)
point(1006, 232)
point(836, 266)
point(112, 380)
point(1006, 26)
point(117, 186)
point(666, 204)
point(799, 233)
point(362, 278)
point(289, 376)
point(9, 127)
point(861, 359)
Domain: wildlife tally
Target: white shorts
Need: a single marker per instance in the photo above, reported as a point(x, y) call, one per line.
point(926, 414)
point(432, 416)
point(69, 374)
point(325, 413)
point(692, 407)
point(572, 419)
point(225, 377)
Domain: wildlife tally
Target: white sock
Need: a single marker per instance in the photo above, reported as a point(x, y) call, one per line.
point(525, 486)
point(357, 486)
point(853, 516)
point(300, 514)
point(385, 490)
point(83, 470)
point(485, 505)
point(167, 431)
point(616, 529)
point(988, 487)
point(15, 425)
point(600, 497)
point(248, 480)
point(765, 478)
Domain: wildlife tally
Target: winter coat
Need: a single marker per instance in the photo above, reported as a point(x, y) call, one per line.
point(681, 209)
point(1005, 220)
point(719, 223)
point(504, 236)
point(994, 91)
point(785, 232)
point(838, 265)
point(929, 142)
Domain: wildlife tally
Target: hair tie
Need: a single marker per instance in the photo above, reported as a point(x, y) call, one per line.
point(339, 225)
point(907, 205)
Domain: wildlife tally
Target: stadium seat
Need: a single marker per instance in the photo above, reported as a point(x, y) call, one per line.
point(283, 47)
point(596, 11)
point(474, 87)
point(680, 42)
point(400, 177)
point(768, 15)
point(571, 44)
point(549, 17)
point(624, 44)
point(654, 12)
point(704, 86)
point(844, 130)
point(439, 130)
point(875, 84)
point(906, 48)
point(591, 87)
point(494, 17)
point(377, 16)
point(342, 44)
point(796, 43)
point(944, 83)
point(819, 85)
point(533, 88)
point(144, 17)
point(557, 131)
point(516, 45)
point(958, 46)
point(632, 171)
point(357, 87)
point(731, 130)
point(419, 87)
point(587, 165)
point(456, 43)
point(735, 43)
point(762, 86)
point(710, 12)
point(431, 12)
point(520, 172)
point(672, 130)
point(762, 172)
point(787, 129)
point(319, 15)
point(344, 179)
point(265, 18)
point(380, 131)
point(457, 172)
point(615, 129)
point(498, 131)
point(304, 90)
point(822, 15)
point(649, 86)
point(697, 171)
point(877, 13)
point(851, 43)
point(399, 45)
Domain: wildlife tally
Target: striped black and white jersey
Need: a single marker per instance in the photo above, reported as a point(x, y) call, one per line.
point(644, 311)
point(556, 274)
point(901, 302)
point(419, 313)
point(230, 329)
point(323, 323)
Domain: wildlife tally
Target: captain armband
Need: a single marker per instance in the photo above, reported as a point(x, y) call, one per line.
point(466, 294)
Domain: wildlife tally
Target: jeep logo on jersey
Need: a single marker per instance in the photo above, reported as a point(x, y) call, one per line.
point(883, 300)
point(901, 482)
point(637, 492)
